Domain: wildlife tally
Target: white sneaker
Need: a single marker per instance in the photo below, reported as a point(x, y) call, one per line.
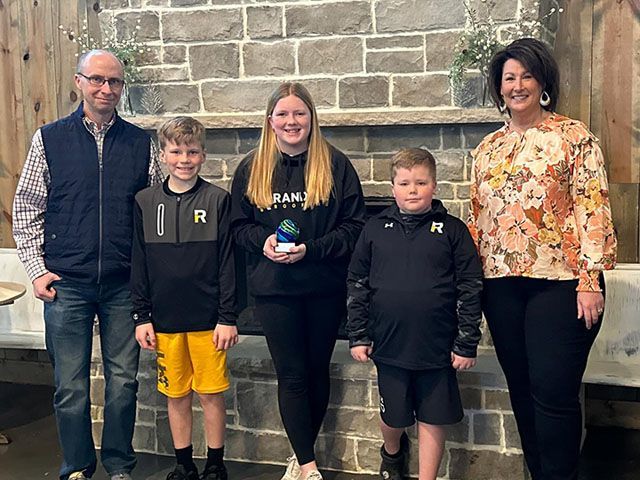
point(77, 476)
point(314, 475)
point(293, 469)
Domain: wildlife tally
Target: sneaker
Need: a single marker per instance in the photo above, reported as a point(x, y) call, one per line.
point(215, 472)
point(394, 468)
point(121, 476)
point(77, 476)
point(293, 469)
point(313, 475)
point(181, 473)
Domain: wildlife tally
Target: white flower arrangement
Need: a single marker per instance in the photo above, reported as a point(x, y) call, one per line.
point(483, 37)
point(127, 49)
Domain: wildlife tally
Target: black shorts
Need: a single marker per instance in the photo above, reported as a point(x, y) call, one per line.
point(430, 396)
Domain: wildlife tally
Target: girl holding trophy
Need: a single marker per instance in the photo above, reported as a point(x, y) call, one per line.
point(298, 210)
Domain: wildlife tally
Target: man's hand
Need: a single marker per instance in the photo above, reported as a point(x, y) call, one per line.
point(225, 336)
point(361, 353)
point(146, 336)
point(42, 288)
point(462, 363)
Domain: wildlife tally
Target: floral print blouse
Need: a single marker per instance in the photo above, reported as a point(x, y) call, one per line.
point(540, 204)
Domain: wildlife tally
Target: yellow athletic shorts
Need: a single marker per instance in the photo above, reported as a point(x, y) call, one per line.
point(189, 361)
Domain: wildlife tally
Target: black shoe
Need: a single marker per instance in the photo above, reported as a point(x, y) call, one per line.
point(181, 473)
point(215, 472)
point(394, 468)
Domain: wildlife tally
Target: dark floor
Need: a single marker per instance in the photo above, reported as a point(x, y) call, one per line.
point(26, 416)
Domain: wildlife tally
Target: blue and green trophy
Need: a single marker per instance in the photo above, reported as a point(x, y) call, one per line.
point(287, 233)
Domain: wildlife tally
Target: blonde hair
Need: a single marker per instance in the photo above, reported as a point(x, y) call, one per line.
point(411, 157)
point(181, 131)
point(318, 178)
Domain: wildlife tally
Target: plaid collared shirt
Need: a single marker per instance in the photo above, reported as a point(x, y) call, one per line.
point(30, 202)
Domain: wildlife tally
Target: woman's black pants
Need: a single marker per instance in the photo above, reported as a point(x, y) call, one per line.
point(542, 348)
point(301, 332)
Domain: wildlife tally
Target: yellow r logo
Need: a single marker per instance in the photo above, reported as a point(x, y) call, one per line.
point(199, 216)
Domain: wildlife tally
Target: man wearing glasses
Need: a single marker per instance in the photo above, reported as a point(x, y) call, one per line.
point(72, 223)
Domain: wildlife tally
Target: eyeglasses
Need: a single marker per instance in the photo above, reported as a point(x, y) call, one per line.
point(98, 81)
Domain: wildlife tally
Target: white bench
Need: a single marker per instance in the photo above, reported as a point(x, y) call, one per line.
point(21, 323)
point(614, 360)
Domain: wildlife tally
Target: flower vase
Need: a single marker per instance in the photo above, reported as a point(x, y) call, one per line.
point(124, 106)
point(463, 93)
point(485, 96)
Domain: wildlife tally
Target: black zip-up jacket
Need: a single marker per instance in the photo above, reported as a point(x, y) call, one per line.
point(329, 231)
point(182, 268)
point(415, 295)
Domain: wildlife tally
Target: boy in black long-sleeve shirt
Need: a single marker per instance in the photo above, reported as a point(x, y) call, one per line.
point(183, 292)
point(414, 307)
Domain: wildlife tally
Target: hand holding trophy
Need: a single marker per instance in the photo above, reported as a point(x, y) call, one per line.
point(287, 233)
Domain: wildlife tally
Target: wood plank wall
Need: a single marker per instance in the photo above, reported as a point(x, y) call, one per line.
point(598, 50)
point(36, 73)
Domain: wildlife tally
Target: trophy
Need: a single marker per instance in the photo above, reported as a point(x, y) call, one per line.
point(286, 234)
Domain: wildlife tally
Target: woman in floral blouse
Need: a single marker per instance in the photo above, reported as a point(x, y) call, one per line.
point(541, 219)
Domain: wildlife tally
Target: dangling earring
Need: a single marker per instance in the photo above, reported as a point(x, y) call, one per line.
point(502, 107)
point(545, 99)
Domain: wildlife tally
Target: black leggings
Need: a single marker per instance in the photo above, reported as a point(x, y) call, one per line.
point(543, 350)
point(301, 332)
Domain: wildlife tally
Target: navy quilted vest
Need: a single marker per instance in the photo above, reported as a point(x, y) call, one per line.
point(89, 217)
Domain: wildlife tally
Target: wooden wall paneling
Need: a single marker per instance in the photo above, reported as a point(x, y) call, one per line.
point(617, 27)
point(37, 78)
point(66, 13)
point(614, 114)
point(625, 198)
point(12, 118)
point(91, 12)
point(573, 53)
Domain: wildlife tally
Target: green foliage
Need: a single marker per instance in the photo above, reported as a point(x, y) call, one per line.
point(482, 38)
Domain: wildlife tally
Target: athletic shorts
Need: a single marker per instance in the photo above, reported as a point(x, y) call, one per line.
point(429, 396)
point(189, 361)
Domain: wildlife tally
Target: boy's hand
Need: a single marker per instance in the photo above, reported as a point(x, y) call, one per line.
point(269, 251)
point(146, 336)
point(361, 353)
point(225, 336)
point(462, 363)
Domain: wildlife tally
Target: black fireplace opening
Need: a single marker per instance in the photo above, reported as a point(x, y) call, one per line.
point(247, 324)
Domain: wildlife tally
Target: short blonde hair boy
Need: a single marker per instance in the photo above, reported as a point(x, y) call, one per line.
point(181, 131)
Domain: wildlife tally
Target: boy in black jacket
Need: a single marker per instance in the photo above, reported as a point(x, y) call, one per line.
point(414, 307)
point(183, 292)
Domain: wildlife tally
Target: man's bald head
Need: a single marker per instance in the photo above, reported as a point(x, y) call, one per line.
point(86, 57)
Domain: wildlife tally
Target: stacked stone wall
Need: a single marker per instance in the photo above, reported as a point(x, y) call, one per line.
point(225, 56)
point(485, 445)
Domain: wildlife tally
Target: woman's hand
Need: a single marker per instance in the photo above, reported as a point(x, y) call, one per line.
point(297, 253)
point(590, 307)
point(269, 250)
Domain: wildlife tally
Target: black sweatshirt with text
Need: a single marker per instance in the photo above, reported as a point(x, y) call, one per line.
point(182, 265)
point(414, 293)
point(329, 231)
